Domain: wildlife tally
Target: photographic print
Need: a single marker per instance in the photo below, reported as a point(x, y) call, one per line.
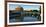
point(24, 13)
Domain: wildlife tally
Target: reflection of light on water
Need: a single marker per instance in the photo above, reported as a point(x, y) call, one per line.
point(37, 16)
point(28, 19)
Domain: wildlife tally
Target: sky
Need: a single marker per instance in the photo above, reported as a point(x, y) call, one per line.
point(25, 7)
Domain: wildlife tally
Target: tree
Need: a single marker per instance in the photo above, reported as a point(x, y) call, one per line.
point(35, 11)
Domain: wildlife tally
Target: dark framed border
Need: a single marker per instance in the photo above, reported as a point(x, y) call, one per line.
point(22, 2)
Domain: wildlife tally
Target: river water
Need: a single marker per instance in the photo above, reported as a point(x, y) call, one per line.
point(26, 19)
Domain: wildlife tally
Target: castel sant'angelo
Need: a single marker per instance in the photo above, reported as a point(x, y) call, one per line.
point(17, 9)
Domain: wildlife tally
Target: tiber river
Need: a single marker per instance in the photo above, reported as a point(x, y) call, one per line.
point(25, 18)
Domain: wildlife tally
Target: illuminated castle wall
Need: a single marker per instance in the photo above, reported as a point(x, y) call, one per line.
point(19, 8)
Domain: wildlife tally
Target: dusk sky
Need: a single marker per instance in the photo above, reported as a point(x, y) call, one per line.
point(25, 7)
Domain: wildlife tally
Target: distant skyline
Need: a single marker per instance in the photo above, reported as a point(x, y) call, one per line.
point(25, 7)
